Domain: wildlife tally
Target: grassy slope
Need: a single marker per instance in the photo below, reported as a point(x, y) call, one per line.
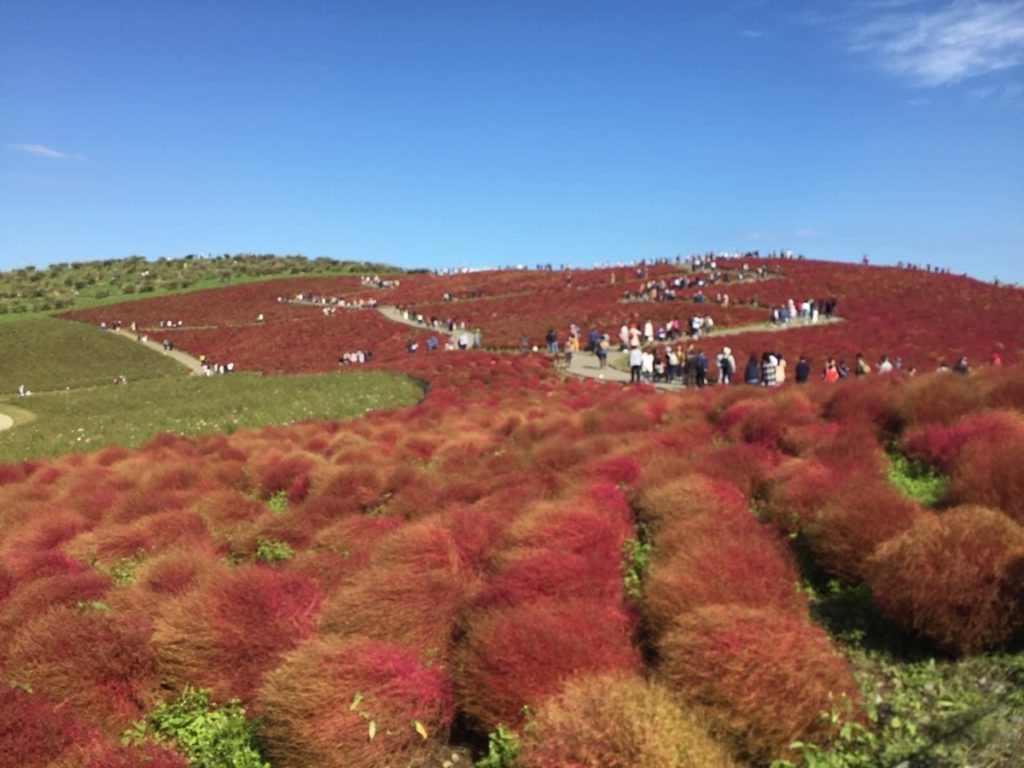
point(48, 354)
point(87, 419)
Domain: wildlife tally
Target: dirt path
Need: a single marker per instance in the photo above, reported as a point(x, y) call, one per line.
point(177, 355)
point(6, 422)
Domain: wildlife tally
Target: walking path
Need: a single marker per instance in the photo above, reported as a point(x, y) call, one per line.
point(585, 364)
point(396, 315)
point(6, 422)
point(177, 355)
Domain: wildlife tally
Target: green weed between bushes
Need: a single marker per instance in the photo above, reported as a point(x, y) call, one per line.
point(917, 711)
point(940, 714)
point(502, 749)
point(129, 415)
point(923, 484)
point(271, 551)
point(208, 736)
point(636, 562)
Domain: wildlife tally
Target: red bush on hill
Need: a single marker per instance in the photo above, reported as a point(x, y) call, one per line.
point(354, 703)
point(230, 631)
point(947, 579)
point(516, 656)
point(617, 721)
point(763, 676)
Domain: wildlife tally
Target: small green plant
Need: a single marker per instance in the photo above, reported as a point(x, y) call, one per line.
point(502, 749)
point(925, 485)
point(922, 713)
point(278, 502)
point(207, 735)
point(123, 571)
point(91, 605)
point(636, 562)
point(271, 551)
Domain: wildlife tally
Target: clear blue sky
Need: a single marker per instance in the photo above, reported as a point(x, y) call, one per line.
point(493, 133)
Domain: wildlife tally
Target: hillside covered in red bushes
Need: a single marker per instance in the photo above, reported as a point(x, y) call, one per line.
point(612, 572)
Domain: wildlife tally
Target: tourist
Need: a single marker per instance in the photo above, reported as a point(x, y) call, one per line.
point(961, 365)
point(636, 360)
point(752, 371)
point(803, 370)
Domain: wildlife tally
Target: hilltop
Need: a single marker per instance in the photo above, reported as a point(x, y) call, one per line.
point(517, 565)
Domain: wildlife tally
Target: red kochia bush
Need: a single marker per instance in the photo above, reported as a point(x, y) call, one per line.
point(99, 662)
point(35, 597)
point(227, 633)
point(856, 518)
point(33, 731)
point(990, 471)
point(939, 445)
point(516, 656)
point(874, 400)
point(940, 398)
point(617, 721)
point(718, 559)
point(764, 676)
point(947, 578)
point(320, 705)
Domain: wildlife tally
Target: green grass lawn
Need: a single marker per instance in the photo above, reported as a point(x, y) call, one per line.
point(46, 354)
point(128, 415)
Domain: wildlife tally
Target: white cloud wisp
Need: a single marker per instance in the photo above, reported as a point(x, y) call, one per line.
point(964, 39)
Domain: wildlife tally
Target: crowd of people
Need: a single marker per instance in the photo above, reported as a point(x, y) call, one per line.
point(330, 304)
point(376, 281)
point(808, 311)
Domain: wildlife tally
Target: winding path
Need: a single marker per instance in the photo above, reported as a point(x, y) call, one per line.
point(585, 365)
point(187, 360)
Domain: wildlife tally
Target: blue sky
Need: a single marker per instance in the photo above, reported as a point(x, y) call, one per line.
point(495, 133)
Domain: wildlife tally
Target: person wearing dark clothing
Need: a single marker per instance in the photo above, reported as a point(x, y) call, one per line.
point(752, 372)
point(803, 370)
point(701, 368)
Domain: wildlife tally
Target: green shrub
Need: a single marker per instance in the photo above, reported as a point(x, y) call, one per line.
point(636, 562)
point(502, 748)
point(208, 736)
point(923, 484)
point(270, 551)
point(278, 502)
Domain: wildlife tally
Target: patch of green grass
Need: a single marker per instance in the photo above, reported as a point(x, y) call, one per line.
point(925, 485)
point(128, 415)
point(47, 354)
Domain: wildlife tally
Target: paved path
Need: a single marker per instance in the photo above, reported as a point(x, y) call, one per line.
point(177, 355)
point(396, 315)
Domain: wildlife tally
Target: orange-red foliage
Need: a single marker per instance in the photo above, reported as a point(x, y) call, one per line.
point(31, 598)
point(990, 471)
point(617, 721)
point(874, 401)
point(751, 565)
point(228, 632)
point(99, 662)
point(763, 676)
point(939, 444)
point(948, 579)
point(32, 731)
point(940, 398)
point(318, 706)
point(855, 519)
point(516, 656)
